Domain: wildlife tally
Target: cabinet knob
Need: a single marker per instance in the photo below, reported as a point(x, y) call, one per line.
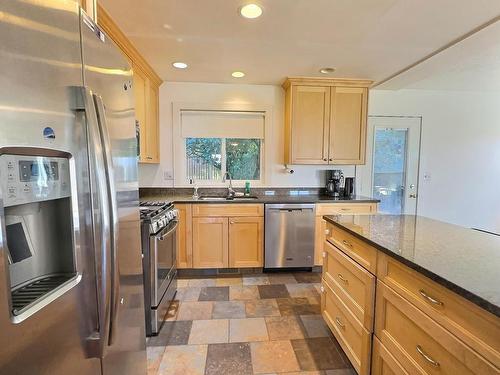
point(327, 231)
point(231, 222)
point(324, 254)
point(325, 159)
point(322, 288)
point(330, 159)
point(149, 157)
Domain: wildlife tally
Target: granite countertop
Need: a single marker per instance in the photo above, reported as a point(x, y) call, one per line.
point(307, 198)
point(463, 260)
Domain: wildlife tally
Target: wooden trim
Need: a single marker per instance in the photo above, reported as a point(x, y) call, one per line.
point(109, 26)
point(318, 81)
point(228, 209)
point(90, 7)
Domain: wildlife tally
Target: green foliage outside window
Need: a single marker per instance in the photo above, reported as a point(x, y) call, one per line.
point(204, 158)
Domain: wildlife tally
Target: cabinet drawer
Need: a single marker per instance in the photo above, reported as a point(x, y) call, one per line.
point(384, 363)
point(352, 337)
point(350, 281)
point(363, 254)
point(416, 340)
point(228, 209)
point(345, 208)
point(478, 328)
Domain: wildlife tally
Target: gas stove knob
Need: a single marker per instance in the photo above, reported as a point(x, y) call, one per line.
point(170, 215)
point(175, 213)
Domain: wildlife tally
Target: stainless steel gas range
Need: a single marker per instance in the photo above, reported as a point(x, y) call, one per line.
point(159, 241)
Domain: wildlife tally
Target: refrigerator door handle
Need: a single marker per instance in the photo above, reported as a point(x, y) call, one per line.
point(101, 224)
point(108, 162)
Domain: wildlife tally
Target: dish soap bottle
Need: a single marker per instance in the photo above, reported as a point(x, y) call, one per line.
point(247, 188)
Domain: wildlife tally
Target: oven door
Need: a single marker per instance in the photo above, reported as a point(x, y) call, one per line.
point(163, 258)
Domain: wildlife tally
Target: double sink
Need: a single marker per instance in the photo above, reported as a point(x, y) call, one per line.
point(219, 198)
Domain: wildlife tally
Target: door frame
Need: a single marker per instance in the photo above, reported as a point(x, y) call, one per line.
point(364, 173)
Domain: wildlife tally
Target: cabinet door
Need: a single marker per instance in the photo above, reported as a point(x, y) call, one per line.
point(309, 124)
point(152, 134)
point(140, 109)
point(246, 236)
point(210, 242)
point(348, 116)
point(184, 237)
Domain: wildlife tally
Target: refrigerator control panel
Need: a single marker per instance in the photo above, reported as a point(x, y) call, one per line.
point(27, 179)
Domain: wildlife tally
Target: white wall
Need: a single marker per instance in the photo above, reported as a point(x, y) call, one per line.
point(214, 93)
point(460, 150)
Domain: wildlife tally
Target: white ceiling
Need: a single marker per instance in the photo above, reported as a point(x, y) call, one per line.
point(473, 64)
point(361, 38)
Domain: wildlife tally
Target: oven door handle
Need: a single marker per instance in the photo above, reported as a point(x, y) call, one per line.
point(163, 236)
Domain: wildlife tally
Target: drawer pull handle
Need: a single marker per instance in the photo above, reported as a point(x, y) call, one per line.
point(345, 281)
point(430, 299)
point(426, 356)
point(347, 243)
point(322, 288)
point(339, 323)
point(345, 209)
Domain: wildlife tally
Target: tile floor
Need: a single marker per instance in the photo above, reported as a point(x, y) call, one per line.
point(250, 324)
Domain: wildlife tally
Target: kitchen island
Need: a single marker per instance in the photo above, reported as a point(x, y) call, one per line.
point(408, 294)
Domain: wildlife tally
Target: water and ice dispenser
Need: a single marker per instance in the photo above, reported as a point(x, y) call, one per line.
point(39, 228)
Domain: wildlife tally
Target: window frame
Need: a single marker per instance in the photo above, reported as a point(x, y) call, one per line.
point(179, 143)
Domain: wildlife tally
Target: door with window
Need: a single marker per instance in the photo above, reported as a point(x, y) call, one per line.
point(391, 170)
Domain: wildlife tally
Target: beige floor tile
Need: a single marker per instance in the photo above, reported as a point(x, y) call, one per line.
point(154, 355)
point(228, 281)
point(255, 280)
point(273, 356)
point(301, 290)
point(228, 310)
point(184, 360)
point(261, 308)
point(247, 330)
point(201, 282)
point(209, 332)
point(182, 283)
point(243, 293)
point(282, 278)
point(195, 310)
point(284, 328)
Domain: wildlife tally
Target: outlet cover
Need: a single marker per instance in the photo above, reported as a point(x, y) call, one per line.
point(168, 175)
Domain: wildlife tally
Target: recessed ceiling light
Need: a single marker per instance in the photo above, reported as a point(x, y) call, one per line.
point(238, 74)
point(251, 11)
point(327, 70)
point(179, 65)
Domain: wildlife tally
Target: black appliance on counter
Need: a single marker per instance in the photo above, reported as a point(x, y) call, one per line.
point(159, 221)
point(337, 185)
point(334, 183)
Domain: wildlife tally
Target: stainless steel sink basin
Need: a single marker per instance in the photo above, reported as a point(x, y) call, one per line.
point(218, 198)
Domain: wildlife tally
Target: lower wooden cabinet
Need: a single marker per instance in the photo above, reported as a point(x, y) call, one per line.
point(384, 363)
point(210, 242)
point(221, 242)
point(335, 209)
point(184, 236)
point(246, 237)
point(418, 342)
point(354, 339)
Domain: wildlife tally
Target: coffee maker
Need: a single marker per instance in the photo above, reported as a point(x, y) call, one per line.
point(334, 183)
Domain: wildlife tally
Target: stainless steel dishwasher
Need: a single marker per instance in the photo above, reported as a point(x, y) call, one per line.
point(289, 235)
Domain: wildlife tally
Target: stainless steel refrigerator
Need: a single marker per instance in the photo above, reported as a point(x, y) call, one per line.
point(71, 287)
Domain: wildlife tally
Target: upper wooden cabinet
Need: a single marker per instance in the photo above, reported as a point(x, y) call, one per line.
point(146, 85)
point(325, 120)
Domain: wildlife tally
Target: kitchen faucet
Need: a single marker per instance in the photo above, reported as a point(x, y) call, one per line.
point(230, 191)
